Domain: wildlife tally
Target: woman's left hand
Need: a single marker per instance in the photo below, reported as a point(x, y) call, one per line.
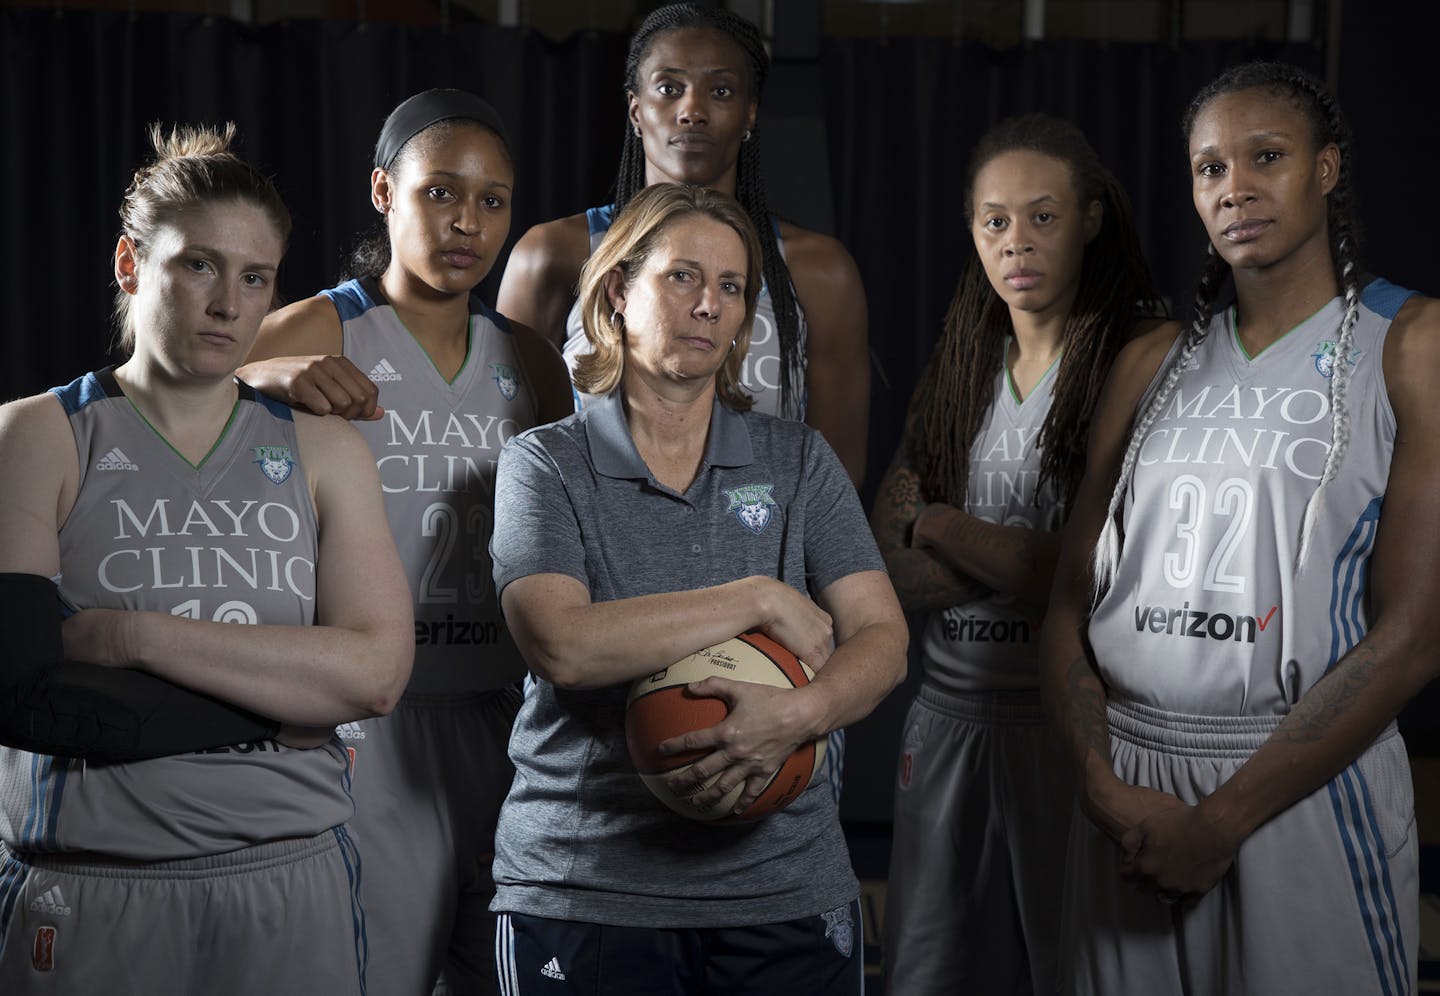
point(763, 727)
point(1176, 853)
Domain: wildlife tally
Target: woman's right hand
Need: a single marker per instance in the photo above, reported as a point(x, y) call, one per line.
point(795, 622)
point(321, 385)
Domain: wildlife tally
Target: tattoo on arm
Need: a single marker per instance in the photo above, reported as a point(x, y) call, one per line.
point(1017, 544)
point(1330, 698)
point(921, 580)
point(1089, 727)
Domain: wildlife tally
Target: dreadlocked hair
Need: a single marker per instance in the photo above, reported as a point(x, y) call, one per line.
point(192, 166)
point(749, 183)
point(1327, 126)
point(958, 386)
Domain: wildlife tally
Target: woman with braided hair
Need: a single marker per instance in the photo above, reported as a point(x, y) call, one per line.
point(967, 519)
point(1246, 596)
point(693, 80)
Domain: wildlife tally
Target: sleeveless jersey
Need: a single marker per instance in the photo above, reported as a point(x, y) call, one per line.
point(760, 374)
point(233, 540)
point(1208, 614)
point(435, 450)
point(993, 643)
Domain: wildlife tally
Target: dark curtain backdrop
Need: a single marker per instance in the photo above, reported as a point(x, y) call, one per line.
point(899, 117)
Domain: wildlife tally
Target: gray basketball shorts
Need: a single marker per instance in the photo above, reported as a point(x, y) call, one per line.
point(1324, 898)
point(275, 918)
point(983, 799)
point(428, 781)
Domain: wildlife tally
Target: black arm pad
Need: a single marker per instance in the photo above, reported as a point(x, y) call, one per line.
point(53, 706)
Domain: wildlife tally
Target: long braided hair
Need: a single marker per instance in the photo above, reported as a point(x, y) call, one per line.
point(749, 184)
point(958, 386)
point(1327, 125)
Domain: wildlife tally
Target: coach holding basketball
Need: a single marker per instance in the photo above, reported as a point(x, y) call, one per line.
point(660, 520)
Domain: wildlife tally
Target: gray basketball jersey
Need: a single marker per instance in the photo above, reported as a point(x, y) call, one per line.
point(993, 643)
point(1208, 615)
point(436, 449)
point(232, 540)
point(760, 373)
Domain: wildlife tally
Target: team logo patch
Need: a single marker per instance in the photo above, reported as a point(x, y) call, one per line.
point(506, 379)
point(751, 504)
point(42, 955)
point(275, 462)
point(840, 929)
point(1324, 356)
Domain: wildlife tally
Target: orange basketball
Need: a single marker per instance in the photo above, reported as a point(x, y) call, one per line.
point(659, 708)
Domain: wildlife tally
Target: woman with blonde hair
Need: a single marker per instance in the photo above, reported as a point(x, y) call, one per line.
point(620, 546)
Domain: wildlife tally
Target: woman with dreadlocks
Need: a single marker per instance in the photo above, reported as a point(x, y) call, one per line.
point(967, 519)
point(1259, 503)
point(693, 79)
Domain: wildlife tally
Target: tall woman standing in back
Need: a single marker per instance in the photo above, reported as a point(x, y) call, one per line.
point(693, 81)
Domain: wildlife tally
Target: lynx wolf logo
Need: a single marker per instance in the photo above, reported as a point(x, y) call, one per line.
point(840, 929)
point(751, 504)
point(1325, 358)
point(506, 380)
point(275, 462)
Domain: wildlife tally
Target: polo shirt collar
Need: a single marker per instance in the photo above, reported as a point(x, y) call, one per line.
point(613, 452)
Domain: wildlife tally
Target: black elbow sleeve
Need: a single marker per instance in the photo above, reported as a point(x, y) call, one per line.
point(53, 706)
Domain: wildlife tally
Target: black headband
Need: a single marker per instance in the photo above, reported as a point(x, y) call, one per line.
point(425, 109)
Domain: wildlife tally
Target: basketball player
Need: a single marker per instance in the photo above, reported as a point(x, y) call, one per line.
point(693, 80)
point(662, 519)
point(967, 519)
point(1259, 502)
point(167, 501)
point(456, 382)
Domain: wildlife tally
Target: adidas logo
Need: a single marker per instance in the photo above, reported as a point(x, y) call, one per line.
point(350, 731)
point(552, 970)
point(115, 460)
point(53, 903)
point(383, 371)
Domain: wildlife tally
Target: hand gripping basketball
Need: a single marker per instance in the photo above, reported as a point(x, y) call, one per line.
point(754, 760)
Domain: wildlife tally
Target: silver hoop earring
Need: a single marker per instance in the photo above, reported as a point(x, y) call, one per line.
point(746, 136)
point(617, 318)
point(732, 344)
point(637, 131)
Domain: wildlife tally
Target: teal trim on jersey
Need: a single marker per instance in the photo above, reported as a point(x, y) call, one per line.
point(1385, 298)
point(1347, 589)
point(1232, 317)
point(1010, 379)
point(350, 299)
point(80, 392)
point(1355, 811)
point(275, 407)
point(234, 409)
point(1370, 875)
point(350, 855)
point(355, 297)
point(47, 787)
point(13, 876)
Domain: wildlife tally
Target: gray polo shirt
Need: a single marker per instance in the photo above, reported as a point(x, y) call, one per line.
point(580, 837)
